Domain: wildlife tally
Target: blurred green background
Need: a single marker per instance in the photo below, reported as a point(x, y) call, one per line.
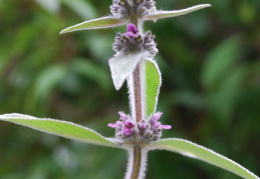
point(210, 63)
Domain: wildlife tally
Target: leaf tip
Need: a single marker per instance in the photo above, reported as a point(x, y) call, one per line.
point(64, 31)
point(118, 86)
point(207, 5)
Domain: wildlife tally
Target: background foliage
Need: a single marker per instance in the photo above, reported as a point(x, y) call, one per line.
point(210, 94)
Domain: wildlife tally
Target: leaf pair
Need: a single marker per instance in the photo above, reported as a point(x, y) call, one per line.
point(83, 134)
point(110, 21)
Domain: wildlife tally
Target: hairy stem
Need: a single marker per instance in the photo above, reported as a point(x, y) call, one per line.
point(137, 156)
point(137, 94)
point(137, 162)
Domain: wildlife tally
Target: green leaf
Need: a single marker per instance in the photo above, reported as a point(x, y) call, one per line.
point(60, 128)
point(103, 22)
point(167, 14)
point(193, 150)
point(121, 66)
point(220, 60)
point(153, 84)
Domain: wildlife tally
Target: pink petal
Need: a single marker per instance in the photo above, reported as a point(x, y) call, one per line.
point(131, 34)
point(142, 126)
point(123, 116)
point(127, 131)
point(131, 28)
point(166, 126)
point(129, 125)
point(119, 123)
point(157, 124)
point(112, 125)
point(156, 116)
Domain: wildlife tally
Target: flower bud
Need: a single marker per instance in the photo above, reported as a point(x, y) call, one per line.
point(133, 42)
point(144, 131)
point(122, 9)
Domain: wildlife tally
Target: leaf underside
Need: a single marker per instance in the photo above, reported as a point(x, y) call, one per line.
point(60, 128)
point(121, 66)
point(198, 152)
point(167, 14)
point(103, 22)
point(153, 83)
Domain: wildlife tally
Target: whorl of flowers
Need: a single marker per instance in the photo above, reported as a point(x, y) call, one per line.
point(124, 9)
point(143, 131)
point(133, 42)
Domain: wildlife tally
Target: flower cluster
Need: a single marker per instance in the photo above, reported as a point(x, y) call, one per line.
point(133, 42)
point(143, 131)
point(143, 7)
point(120, 9)
point(124, 126)
point(126, 9)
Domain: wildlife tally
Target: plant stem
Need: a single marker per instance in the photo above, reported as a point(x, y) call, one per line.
point(137, 84)
point(137, 94)
point(137, 162)
point(137, 156)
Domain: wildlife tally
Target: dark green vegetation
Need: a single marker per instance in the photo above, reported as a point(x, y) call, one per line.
point(210, 94)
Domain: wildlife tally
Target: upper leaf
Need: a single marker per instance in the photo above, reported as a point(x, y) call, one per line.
point(166, 14)
point(121, 66)
point(196, 151)
point(152, 87)
point(103, 22)
point(60, 128)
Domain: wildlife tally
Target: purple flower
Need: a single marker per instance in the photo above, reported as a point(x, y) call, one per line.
point(158, 125)
point(131, 28)
point(131, 31)
point(123, 10)
point(133, 42)
point(127, 131)
point(124, 126)
point(144, 131)
point(112, 125)
point(166, 126)
point(129, 125)
point(123, 116)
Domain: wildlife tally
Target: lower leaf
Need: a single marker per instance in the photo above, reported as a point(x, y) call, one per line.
point(60, 128)
point(193, 150)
